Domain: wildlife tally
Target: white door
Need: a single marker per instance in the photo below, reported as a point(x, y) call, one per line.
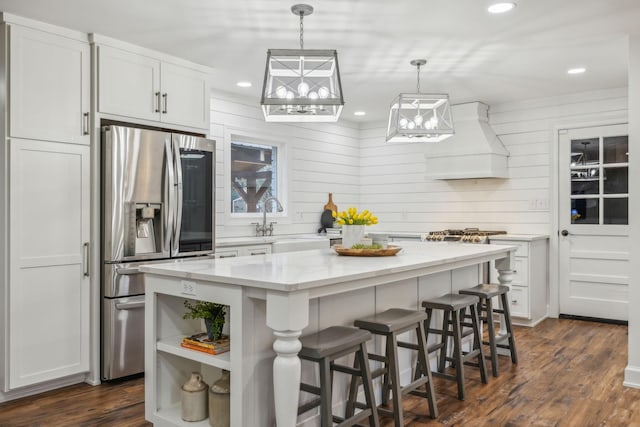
point(185, 96)
point(48, 261)
point(593, 220)
point(48, 86)
point(128, 84)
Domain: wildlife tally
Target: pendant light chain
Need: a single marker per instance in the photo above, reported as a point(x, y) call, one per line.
point(418, 78)
point(301, 31)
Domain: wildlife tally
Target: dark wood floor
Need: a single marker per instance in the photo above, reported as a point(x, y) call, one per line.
point(570, 373)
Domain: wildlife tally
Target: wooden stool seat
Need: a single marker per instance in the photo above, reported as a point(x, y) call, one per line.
point(390, 324)
point(324, 347)
point(331, 341)
point(454, 307)
point(391, 320)
point(486, 292)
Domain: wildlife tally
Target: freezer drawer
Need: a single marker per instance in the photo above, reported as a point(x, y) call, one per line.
point(122, 337)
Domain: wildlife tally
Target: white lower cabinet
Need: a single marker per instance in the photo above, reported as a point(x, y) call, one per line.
point(48, 276)
point(247, 250)
point(530, 286)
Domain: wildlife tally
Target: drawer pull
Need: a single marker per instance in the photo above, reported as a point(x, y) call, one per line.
point(515, 301)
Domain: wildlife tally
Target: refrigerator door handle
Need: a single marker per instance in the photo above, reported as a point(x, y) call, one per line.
point(169, 197)
point(177, 224)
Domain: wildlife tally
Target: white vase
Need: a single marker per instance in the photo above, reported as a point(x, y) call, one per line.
point(351, 235)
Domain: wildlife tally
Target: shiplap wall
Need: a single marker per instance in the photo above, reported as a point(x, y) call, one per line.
point(394, 186)
point(324, 156)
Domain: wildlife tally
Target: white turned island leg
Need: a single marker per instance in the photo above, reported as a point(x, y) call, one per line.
point(287, 315)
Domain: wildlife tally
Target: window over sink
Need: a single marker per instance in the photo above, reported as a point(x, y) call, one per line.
point(255, 171)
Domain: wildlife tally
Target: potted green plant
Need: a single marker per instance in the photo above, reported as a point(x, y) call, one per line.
point(212, 313)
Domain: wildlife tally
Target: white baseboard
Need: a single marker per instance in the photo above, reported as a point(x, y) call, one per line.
point(41, 388)
point(632, 376)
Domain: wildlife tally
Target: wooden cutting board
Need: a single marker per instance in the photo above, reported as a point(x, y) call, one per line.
point(330, 205)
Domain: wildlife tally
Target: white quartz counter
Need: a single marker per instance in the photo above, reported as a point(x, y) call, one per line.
point(520, 237)
point(225, 242)
point(293, 271)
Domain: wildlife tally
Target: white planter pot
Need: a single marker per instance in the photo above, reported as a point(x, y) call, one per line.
point(351, 235)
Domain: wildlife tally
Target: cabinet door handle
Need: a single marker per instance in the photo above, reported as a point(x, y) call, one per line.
point(164, 97)
point(157, 110)
point(85, 259)
point(514, 301)
point(228, 256)
point(85, 123)
point(259, 253)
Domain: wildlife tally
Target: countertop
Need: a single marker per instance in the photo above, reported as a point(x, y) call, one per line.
point(519, 237)
point(265, 240)
point(292, 271)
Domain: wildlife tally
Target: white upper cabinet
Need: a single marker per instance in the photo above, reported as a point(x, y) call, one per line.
point(49, 86)
point(141, 86)
point(185, 96)
point(128, 84)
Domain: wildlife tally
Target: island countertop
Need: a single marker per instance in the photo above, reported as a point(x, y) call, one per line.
point(292, 271)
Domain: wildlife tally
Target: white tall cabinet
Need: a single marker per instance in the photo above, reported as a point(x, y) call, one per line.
point(45, 183)
point(49, 286)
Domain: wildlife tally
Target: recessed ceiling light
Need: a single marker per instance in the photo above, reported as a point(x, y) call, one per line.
point(360, 113)
point(577, 70)
point(244, 84)
point(501, 7)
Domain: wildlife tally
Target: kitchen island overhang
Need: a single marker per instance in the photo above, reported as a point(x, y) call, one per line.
point(287, 282)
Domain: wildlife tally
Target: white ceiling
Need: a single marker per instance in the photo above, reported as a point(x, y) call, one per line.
point(472, 55)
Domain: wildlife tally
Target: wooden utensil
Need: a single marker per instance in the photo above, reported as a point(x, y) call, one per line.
point(330, 205)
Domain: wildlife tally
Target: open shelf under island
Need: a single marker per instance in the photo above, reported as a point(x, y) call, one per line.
point(275, 298)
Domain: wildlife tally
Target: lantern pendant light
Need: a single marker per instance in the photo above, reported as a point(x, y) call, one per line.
point(302, 85)
point(419, 117)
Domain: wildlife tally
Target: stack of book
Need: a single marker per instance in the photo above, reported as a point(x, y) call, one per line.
point(201, 342)
point(334, 231)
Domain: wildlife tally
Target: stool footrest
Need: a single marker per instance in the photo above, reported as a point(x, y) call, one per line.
point(309, 406)
point(346, 370)
point(310, 388)
point(377, 357)
point(409, 345)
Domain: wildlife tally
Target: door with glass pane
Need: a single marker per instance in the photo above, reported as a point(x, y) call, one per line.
point(594, 221)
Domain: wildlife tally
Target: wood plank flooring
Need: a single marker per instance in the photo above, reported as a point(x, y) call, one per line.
point(570, 373)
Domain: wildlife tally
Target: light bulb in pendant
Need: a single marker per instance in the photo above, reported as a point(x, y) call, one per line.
point(313, 95)
point(281, 92)
point(403, 123)
point(323, 92)
point(290, 95)
point(418, 120)
point(411, 125)
point(303, 89)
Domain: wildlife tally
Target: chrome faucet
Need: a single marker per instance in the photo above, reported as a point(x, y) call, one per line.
point(263, 230)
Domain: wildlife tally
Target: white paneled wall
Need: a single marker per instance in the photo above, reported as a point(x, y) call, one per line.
point(395, 188)
point(325, 158)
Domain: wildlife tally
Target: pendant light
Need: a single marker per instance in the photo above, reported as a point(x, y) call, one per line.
point(302, 85)
point(419, 117)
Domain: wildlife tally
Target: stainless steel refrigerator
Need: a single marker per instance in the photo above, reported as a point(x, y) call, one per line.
point(157, 205)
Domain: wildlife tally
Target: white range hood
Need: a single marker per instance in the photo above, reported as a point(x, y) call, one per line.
point(474, 151)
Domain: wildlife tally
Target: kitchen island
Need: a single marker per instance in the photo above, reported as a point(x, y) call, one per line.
point(272, 299)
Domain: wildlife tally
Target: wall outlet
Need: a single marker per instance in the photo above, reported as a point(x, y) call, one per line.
point(188, 288)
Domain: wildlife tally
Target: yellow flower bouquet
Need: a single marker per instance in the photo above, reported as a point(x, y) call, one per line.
point(352, 217)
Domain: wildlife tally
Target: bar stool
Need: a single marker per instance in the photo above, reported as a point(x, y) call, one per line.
point(486, 292)
point(454, 307)
point(390, 324)
point(324, 347)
